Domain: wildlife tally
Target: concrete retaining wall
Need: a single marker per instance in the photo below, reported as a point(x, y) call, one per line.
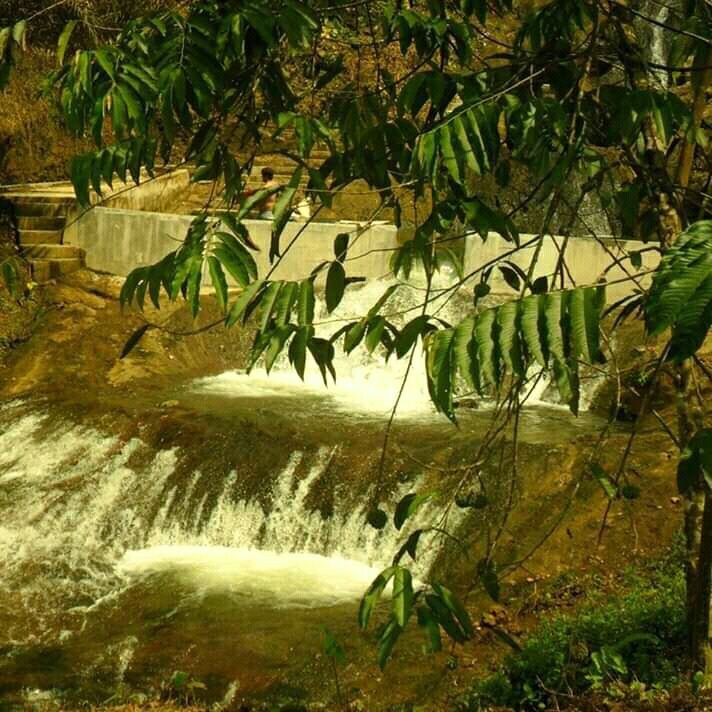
point(586, 260)
point(119, 240)
point(162, 192)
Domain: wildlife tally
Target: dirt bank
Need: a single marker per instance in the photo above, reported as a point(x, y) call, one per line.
point(73, 336)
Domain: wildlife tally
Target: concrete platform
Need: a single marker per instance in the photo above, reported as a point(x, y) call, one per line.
point(52, 252)
point(40, 237)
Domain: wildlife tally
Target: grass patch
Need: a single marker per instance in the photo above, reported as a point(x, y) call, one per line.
point(633, 638)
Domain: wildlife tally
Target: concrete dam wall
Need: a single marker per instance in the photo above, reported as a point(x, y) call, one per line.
point(119, 240)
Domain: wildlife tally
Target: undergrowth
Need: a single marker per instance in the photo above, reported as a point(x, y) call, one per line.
point(633, 640)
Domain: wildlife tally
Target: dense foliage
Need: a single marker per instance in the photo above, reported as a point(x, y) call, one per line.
point(566, 93)
point(611, 644)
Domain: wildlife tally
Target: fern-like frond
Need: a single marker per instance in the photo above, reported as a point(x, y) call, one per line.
point(556, 331)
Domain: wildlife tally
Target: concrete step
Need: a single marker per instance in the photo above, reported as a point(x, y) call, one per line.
point(41, 222)
point(52, 252)
point(40, 196)
point(40, 209)
point(40, 237)
point(44, 270)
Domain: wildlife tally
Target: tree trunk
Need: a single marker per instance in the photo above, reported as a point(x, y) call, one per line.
point(698, 507)
point(684, 169)
point(698, 535)
point(699, 614)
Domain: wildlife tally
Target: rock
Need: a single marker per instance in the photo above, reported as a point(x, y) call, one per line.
point(675, 500)
point(468, 403)
point(170, 404)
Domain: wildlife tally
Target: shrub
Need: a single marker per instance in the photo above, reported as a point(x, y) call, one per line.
point(635, 637)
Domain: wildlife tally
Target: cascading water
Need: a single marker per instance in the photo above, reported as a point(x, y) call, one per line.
point(233, 519)
point(660, 12)
point(367, 384)
point(95, 505)
point(97, 530)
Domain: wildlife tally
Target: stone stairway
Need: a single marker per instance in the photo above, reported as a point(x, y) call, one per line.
point(41, 217)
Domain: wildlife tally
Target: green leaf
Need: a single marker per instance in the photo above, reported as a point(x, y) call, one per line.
point(482, 289)
point(240, 307)
point(217, 277)
point(402, 595)
point(607, 484)
point(133, 340)
point(80, 175)
point(510, 277)
point(335, 285)
point(268, 303)
point(409, 334)
point(322, 352)
point(410, 546)
point(375, 332)
point(305, 307)
point(693, 323)
point(332, 648)
point(387, 642)
point(282, 211)
point(683, 271)
point(298, 349)
point(439, 363)
point(355, 335)
point(531, 321)
point(455, 607)
point(553, 318)
point(277, 341)
point(233, 264)
point(408, 506)
point(373, 594)
point(487, 574)
point(585, 308)
point(427, 621)
point(449, 158)
point(485, 332)
point(64, 38)
point(287, 298)
point(510, 346)
point(377, 518)
point(341, 246)
point(252, 201)
point(194, 280)
point(464, 143)
point(239, 230)
point(540, 286)
point(19, 31)
point(444, 616)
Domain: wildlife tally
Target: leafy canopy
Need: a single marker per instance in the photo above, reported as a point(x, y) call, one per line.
point(567, 98)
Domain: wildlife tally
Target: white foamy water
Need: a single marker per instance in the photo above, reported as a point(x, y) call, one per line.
point(83, 513)
point(368, 384)
point(283, 580)
point(365, 383)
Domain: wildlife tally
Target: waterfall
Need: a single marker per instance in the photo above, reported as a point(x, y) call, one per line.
point(367, 385)
point(83, 512)
point(658, 50)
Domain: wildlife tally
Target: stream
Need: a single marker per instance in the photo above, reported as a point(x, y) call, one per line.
point(216, 527)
